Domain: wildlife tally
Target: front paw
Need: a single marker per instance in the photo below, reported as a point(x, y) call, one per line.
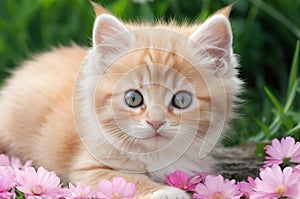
point(170, 193)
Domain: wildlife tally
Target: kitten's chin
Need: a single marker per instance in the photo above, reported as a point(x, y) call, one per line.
point(147, 143)
point(154, 135)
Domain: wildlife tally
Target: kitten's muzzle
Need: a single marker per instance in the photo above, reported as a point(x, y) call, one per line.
point(156, 124)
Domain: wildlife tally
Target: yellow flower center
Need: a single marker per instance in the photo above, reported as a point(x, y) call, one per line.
point(281, 189)
point(37, 190)
point(116, 196)
point(216, 195)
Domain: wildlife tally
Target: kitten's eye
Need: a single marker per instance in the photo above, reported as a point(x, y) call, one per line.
point(181, 100)
point(133, 98)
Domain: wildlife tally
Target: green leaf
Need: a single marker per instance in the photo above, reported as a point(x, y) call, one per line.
point(264, 128)
point(294, 130)
point(145, 9)
point(260, 151)
point(292, 87)
point(291, 96)
point(283, 20)
point(275, 126)
point(119, 7)
point(19, 194)
point(295, 66)
point(274, 101)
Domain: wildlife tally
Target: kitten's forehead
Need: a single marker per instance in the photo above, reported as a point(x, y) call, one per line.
point(159, 59)
point(156, 46)
point(154, 77)
point(161, 39)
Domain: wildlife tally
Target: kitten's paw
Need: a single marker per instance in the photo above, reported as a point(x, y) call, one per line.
point(170, 193)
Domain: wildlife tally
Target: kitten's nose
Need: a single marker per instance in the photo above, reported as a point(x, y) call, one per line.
point(156, 124)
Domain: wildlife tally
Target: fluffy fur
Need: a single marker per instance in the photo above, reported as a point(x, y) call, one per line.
point(65, 109)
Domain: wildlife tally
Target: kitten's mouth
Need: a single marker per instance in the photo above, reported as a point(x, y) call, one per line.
point(160, 134)
point(154, 134)
point(157, 134)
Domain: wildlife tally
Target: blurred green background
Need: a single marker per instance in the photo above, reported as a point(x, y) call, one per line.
point(265, 36)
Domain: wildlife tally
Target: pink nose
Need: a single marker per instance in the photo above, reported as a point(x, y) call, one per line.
point(156, 124)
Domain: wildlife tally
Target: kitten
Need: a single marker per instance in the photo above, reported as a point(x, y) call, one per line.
point(144, 101)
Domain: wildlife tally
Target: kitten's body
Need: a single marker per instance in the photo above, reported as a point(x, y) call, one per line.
point(48, 100)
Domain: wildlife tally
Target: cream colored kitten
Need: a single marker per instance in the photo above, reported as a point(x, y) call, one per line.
point(144, 101)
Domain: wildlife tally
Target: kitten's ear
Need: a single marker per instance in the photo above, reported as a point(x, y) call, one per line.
point(99, 9)
point(225, 11)
point(110, 35)
point(214, 36)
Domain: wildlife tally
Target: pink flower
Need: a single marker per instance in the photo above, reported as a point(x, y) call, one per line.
point(286, 151)
point(275, 183)
point(117, 189)
point(196, 179)
point(6, 195)
point(297, 169)
point(16, 164)
point(4, 160)
point(178, 179)
point(7, 181)
point(183, 181)
point(78, 192)
point(246, 188)
point(40, 183)
point(13, 162)
point(216, 187)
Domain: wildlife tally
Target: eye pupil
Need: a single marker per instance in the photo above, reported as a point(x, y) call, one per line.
point(133, 98)
point(181, 100)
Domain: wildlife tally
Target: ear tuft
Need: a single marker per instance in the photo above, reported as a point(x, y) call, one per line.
point(225, 11)
point(99, 9)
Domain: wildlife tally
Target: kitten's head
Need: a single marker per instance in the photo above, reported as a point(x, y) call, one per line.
point(146, 89)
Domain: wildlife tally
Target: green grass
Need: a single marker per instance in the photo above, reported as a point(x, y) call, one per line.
point(286, 119)
point(265, 33)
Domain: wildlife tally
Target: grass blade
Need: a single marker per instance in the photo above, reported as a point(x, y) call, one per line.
point(274, 101)
point(264, 128)
point(294, 130)
point(294, 67)
point(291, 97)
point(278, 16)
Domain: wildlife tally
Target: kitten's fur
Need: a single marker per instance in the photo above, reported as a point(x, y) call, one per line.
point(69, 89)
